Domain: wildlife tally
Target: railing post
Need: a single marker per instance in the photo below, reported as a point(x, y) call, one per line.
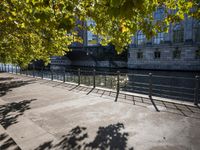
point(20, 71)
point(105, 79)
point(52, 75)
point(150, 92)
point(34, 73)
point(94, 78)
point(64, 76)
point(150, 85)
point(117, 94)
point(15, 69)
point(42, 74)
point(79, 76)
point(196, 98)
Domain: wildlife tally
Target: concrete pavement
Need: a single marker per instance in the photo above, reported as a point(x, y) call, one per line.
point(40, 114)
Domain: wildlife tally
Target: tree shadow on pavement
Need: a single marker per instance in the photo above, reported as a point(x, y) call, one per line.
point(45, 146)
point(6, 78)
point(7, 143)
point(74, 139)
point(7, 83)
point(11, 111)
point(109, 137)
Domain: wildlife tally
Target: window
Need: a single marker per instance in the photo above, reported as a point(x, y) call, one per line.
point(197, 32)
point(159, 38)
point(141, 39)
point(178, 34)
point(157, 54)
point(159, 14)
point(176, 54)
point(139, 54)
point(197, 54)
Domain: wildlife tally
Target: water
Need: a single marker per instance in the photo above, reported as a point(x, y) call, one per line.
point(168, 84)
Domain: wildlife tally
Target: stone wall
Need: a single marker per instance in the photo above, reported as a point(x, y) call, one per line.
point(187, 60)
point(57, 67)
point(109, 64)
point(188, 47)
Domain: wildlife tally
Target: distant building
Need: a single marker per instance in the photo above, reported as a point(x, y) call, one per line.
point(90, 53)
point(59, 63)
point(179, 49)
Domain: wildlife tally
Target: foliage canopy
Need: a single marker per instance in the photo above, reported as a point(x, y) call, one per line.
point(38, 29)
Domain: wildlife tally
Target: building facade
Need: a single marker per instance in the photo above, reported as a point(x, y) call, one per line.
point(179, 49)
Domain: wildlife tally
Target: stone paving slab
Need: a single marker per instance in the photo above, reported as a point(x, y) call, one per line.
point(6, 142)
point(39, 115)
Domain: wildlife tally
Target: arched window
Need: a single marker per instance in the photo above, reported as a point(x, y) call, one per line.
point(197, 32)
point(157, 54)
point(177, 53)
point(141, 38)
point(139, 54)
point(159, 38)
point(178, 34)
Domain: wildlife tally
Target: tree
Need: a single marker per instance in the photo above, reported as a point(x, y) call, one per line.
point(38, 29)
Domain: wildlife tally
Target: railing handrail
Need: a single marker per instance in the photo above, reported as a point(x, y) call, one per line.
point(115, 80)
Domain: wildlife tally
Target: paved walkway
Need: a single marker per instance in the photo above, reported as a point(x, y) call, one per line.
point(40, 114)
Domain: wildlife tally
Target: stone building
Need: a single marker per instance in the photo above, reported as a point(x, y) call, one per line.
point(179, 49)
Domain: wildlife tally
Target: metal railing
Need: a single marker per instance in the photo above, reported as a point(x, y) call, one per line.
point(181, 88)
